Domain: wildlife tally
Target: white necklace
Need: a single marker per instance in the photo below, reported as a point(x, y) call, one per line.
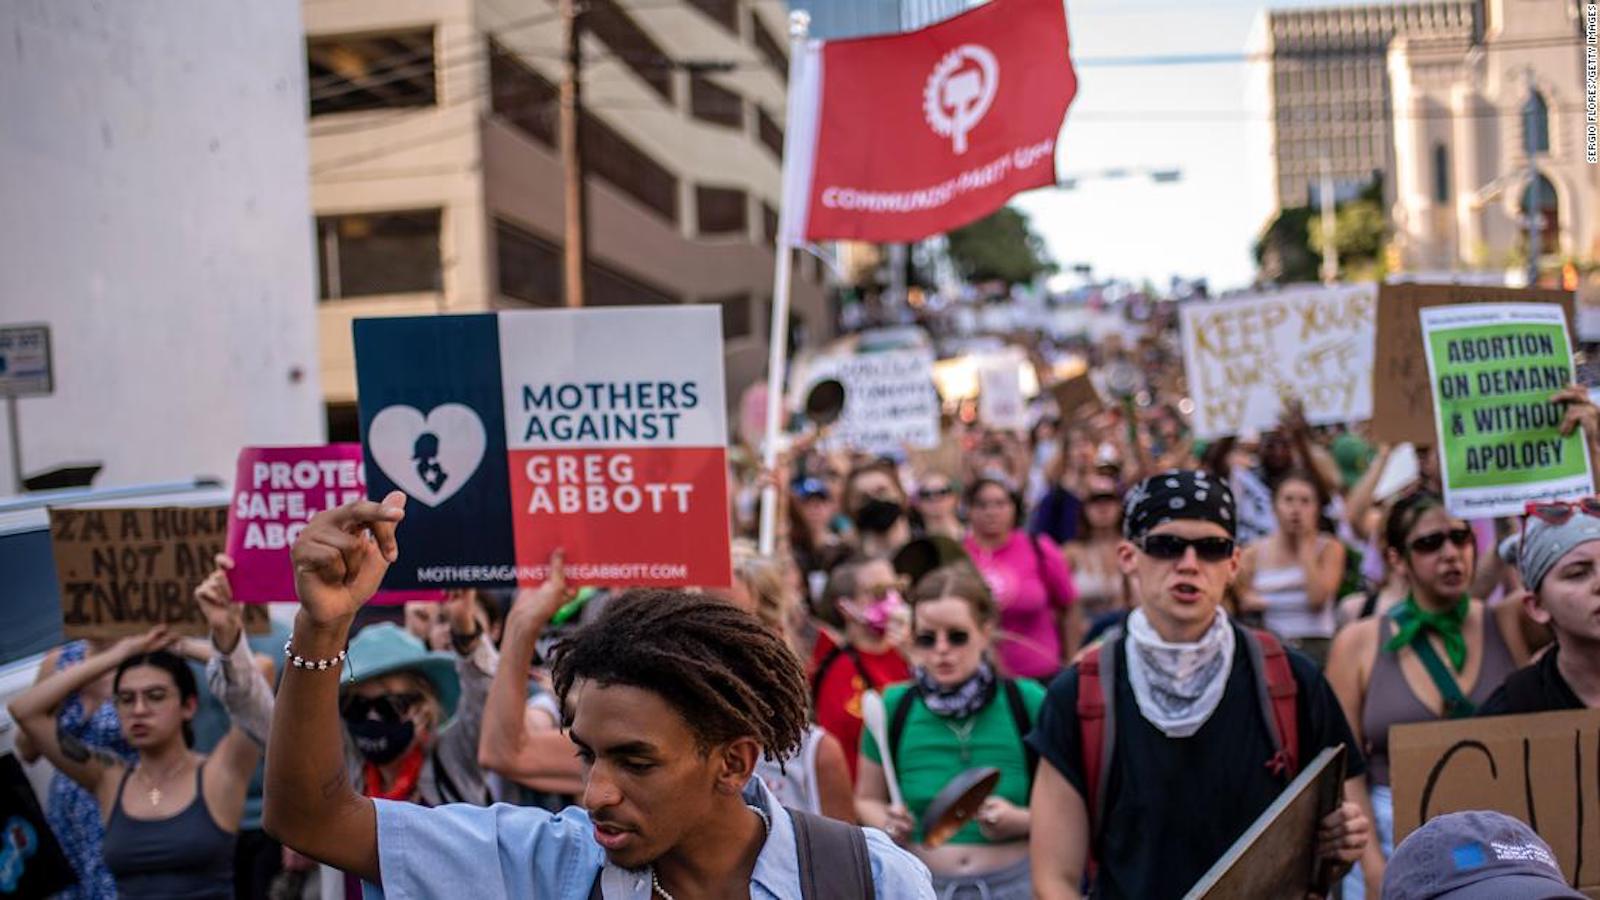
point(766, 829)
point(963, 735)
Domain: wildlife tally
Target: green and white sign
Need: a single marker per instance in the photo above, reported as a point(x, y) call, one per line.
point(1493, 368)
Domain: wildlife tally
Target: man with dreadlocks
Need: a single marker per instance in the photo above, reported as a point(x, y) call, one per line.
point(670, 697)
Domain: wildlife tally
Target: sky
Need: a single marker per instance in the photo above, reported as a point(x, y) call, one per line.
point(1206, 120)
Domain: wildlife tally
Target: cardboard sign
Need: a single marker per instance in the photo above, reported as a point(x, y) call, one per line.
point(276, 491)
point(1494, 368)
point(1542, 768)
point(601, 431)
point(1076, 394)
point(889, 399)
point(1403, 409)
point(1000, 401)
point(1277, 855)
point(1243, 357)
point(125, 571)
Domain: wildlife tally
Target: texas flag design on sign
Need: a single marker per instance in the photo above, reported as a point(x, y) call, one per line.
point(600, 431)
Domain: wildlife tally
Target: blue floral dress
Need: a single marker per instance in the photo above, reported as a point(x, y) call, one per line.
point(73, 812)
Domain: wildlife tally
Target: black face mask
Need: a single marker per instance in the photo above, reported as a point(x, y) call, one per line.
point(381, 742)
point(878, 516)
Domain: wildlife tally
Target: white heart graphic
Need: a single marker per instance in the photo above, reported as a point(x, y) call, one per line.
point(434, 471)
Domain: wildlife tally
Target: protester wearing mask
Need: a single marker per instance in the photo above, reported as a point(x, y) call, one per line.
point(1193, 758)
point(1558, 556)
point(670, 697)
point(1029, 578)
point(1436, 655)
point(863, 605)
point(876, 504)
point(172, 815)
point(1291, 575)
point(956, 714)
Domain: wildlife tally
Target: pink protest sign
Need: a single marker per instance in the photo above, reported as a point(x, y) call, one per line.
point(276, 491)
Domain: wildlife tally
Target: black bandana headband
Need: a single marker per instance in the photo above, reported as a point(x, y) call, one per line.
point(1175, 495)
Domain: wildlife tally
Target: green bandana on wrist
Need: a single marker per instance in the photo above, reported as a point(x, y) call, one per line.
point(1412, 622)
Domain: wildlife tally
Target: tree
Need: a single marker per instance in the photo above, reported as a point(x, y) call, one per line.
point(1282, 254)
point(1290, 248)
point(1000, 247)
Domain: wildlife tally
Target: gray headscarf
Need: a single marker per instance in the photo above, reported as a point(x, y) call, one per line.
point(1541, 545)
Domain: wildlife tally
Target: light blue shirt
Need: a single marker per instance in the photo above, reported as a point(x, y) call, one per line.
point(504, 852)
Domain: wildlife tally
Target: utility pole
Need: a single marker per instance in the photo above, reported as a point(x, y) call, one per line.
point(1330, 246)
point(1534, 195)
point(576, 244)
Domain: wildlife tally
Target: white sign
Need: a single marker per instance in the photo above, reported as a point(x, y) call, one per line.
point(889, 399)
point(25, 361)
point(1000, 401)
point(1244, 356)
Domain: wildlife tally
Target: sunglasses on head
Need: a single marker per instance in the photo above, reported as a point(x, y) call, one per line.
point(1558, 512)
point(1171, 546)
point(387, 707)
point(927, 640)
point(1431, 542)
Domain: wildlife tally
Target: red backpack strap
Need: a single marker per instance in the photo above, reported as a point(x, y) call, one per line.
point(1097, 724)
point(1278, 695)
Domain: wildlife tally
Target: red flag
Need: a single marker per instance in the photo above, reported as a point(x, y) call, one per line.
point(896, 138)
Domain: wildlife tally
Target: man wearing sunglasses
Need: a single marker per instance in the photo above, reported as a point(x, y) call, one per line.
point(1193, 756)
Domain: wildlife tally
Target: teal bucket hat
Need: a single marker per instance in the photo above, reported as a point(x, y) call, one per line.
point(384, 647)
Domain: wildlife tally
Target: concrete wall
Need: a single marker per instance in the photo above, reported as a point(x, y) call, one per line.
point(156, 214)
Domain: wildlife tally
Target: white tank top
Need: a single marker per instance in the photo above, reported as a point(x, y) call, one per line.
point(795, 785)
point(1288, 614)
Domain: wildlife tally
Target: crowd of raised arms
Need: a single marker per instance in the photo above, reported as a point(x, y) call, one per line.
point(1087, 616)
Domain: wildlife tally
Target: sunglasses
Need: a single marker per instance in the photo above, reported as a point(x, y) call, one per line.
point(936, 493)
point(1104, 498)
point(1558, 512)
point(1430, 543)
point(927, 640)
point(390, 708)
point(1171, 546)
point(880, 592)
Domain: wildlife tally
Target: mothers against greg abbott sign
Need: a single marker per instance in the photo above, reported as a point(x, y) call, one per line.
point(600, 431)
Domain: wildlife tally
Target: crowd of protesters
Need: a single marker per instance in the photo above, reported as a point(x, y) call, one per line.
point(1145, 639)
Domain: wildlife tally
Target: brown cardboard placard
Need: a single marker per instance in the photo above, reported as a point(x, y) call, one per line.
point(1542, 768)
point(123, 571)
point(1277, 854)
point(1402, 398)
point(1075, 394)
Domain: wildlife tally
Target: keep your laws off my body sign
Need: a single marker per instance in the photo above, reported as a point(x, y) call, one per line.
point(1493, 368)
point(1244, 357)
point(600, 431)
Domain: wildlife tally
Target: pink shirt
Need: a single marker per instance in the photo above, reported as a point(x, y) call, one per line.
point(1029, 643)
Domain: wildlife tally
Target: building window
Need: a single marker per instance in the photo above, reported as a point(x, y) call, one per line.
point(1441, 173)
point(635, 48)
point(769, 224)
point(711, 102)
point(531, 271)
point(720, 210)
point(522, 96)
point(364, 254)
point(769, 132)
point(769, 48)
point(612, 157)
point(1535, 125)
point(737, 321)
point(723, 12)
point(393, 71)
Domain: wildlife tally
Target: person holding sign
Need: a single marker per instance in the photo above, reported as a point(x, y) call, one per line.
point(1162, 746)
point(1438, 654)
point(172, 816)
point(1558, 556)
point(1030, 579)
point(1292, 575)
point(955, 715)
point(670, 697)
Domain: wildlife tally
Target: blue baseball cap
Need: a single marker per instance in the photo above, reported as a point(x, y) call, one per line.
point(806, 488)
point(1476, 855)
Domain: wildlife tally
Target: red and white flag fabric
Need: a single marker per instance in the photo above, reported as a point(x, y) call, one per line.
point(900, 137)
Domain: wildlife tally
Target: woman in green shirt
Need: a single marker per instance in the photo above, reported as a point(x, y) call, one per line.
point(956, 714)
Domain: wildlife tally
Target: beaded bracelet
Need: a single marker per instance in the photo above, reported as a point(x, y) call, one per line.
point(320, 665)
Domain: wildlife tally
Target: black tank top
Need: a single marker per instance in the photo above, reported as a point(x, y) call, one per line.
point(182, 857)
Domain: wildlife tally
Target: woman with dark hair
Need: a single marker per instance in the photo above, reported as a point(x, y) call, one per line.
point(875, 501)
point(1438, 654)
point(955, 715)
point(1030, 580)
point(172, 815)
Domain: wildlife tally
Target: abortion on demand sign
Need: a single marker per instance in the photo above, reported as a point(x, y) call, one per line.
point(599, 431)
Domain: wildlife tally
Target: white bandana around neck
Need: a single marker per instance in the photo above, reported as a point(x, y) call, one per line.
point(1178, 686)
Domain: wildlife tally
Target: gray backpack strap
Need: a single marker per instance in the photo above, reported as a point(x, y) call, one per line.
point(1108, 738)
point(594, 889)
point(833, 858)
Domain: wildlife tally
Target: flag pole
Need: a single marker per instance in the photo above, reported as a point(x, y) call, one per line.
point(778, 351)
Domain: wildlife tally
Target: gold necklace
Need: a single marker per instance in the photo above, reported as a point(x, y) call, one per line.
point(154, 794)
point(766, 828)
